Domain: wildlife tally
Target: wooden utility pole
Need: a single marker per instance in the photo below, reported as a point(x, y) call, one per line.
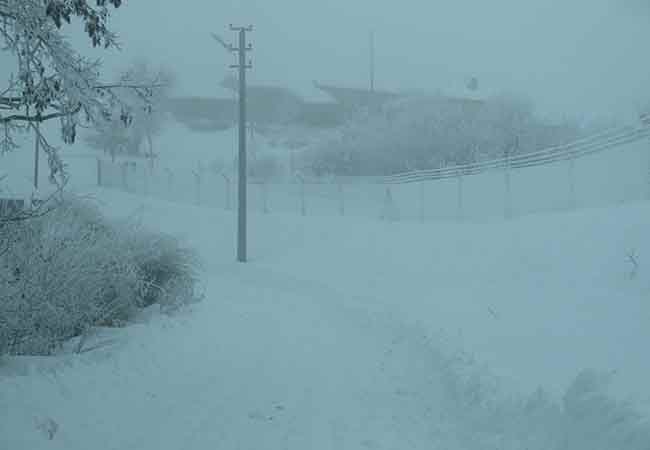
point(242, 65)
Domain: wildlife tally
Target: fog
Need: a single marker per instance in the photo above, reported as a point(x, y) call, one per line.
point(579, 58)
point(456, 260)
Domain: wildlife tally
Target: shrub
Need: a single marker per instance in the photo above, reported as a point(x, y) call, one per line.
point(73, 269)
point(595, 420)
point(166, 269)
point(589, 417)
point(426, 132)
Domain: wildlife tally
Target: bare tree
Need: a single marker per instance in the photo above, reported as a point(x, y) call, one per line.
point(146, 120)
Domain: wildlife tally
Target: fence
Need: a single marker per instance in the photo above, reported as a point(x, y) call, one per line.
point(607, 168)
point(300, 195)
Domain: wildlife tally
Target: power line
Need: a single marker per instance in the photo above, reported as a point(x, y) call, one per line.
point(582, 147)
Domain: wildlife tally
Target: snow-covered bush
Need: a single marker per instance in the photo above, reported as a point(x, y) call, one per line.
point(596, 421)
point(72, 269)
point(146, 120)
point(165, 269)
point(425, 132)
point(587, 418)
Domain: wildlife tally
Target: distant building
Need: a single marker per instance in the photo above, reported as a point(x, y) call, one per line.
point(274, 105)
point(354, 98)
point(321, 115)
point(202, 113)
point(268, 105)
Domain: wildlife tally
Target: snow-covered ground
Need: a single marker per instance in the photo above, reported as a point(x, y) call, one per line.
point(352, 333)
point(335, 335)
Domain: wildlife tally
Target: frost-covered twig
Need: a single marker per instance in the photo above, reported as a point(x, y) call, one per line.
point(634, 261)
point(52, 81)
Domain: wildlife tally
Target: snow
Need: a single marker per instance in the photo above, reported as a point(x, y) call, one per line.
point(318, 342)
point(618, 175)
point(339, 332)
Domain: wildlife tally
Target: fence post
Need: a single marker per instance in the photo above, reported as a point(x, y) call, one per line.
point(99, 172)
point(123, 170)
point(422, 199)
point(228, 194)
point(507, 210)
point(303, 203)
point(145, 180)
point(198, 178)
point(648, 191)
point(170, 181)
point(197, 181)
point(459, 177)
point(572, 183)
point(265, 196)
point(389, 211)
point(646, 123)
point(134, 175)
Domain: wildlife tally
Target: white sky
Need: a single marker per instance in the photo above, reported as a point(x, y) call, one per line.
point(573, 57)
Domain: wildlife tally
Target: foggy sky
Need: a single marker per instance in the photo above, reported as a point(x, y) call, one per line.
point(573, 57)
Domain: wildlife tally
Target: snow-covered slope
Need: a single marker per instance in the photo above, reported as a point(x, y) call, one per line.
point(340, 334)
point(355, 333)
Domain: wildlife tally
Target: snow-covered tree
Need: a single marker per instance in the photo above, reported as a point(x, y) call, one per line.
point(113, 137)
point(425, 132)
point(51, 80)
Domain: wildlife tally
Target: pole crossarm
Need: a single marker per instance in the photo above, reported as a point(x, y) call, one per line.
point(248, 28)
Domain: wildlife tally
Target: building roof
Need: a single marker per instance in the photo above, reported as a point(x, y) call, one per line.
point(261, 92)
point(355, 97)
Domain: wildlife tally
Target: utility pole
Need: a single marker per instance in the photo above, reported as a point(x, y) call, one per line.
point(242, 65)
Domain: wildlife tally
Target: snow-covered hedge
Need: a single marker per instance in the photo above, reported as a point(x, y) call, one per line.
point(73, 269)
point(588, 417)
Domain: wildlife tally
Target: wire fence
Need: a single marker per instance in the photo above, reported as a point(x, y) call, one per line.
point(612, 167)
point(343, 196)
point(583, 147)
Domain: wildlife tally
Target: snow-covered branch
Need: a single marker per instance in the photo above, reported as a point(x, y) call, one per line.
point(51, 79)
point(38, 117)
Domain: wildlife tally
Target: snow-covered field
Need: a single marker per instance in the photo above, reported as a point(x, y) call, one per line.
point(337, 333)
point(352, 333)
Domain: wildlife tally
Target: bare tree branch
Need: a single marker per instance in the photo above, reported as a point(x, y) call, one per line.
point(38, 117)
point(131, 86)
point(52, 81)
